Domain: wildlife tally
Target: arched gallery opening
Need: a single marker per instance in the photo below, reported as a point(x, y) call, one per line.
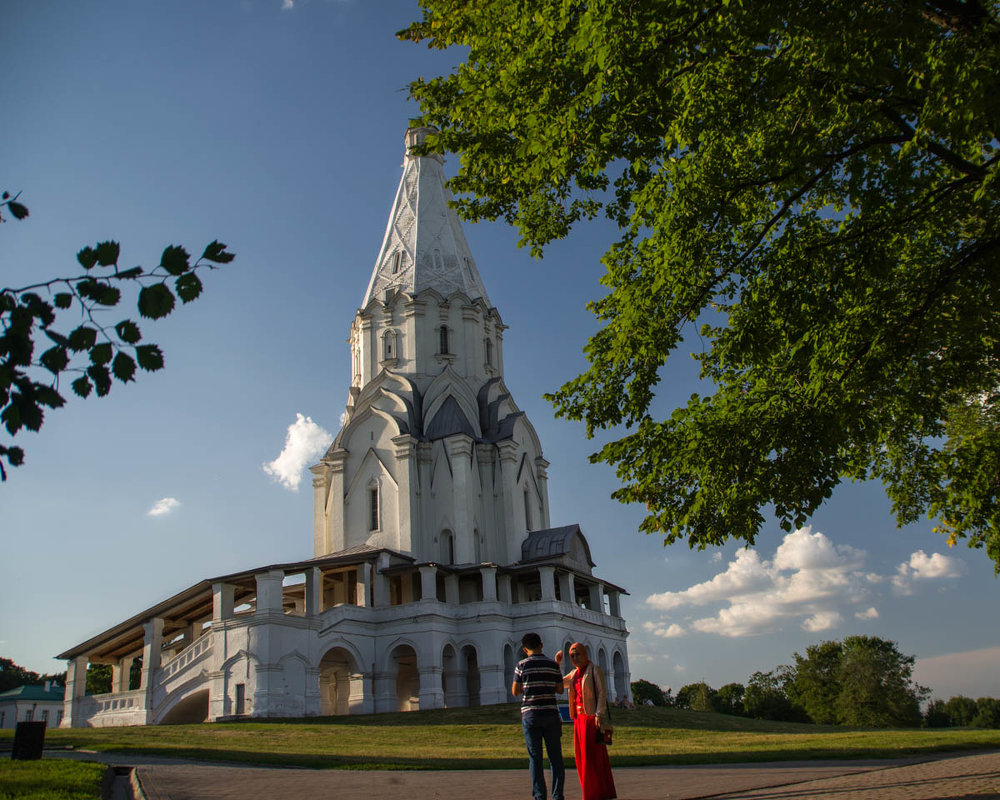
point(404, 663)
point(337, 672)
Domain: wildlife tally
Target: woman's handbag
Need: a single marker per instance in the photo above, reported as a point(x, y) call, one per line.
point(604, 737)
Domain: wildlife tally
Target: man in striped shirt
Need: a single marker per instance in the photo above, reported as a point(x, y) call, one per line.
point(537, 680)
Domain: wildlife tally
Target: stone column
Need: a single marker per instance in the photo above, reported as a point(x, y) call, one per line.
point(491, 685)
point(504, 593)
point(614, 602)
point(459, 448)
point(269, 592)
point(385, 692)
point(489, 576)
point(596, 603)
point(364, 579)
point(431, 695)
point(361, 699)
point(218, 701)
point(314, 591)
point(541, 465)
point(76, 688)
point(405, 448)
point(547, 577)
point(222, 601)
point(116, 677)
point(321, 493)
point(428, 582)
point(451, 590)
point(380, 587)
point(509, 450)
point(151, 650)
point(152, 645)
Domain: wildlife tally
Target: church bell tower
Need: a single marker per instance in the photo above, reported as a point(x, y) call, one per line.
point(434, 459)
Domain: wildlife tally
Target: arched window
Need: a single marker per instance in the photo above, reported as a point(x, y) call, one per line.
point(389, 348)
point(373, 508)
point(397, 261)
point(443, 340)
point(447, 547)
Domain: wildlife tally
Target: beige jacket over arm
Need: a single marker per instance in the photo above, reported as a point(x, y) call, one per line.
point(595, 694)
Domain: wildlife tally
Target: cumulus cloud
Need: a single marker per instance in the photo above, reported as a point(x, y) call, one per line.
point(821, 621)
point(287, 5)
point(810, 582)
point(805, 583)
point(923, 567)
point(305, 442)
point(745, 574)
point(163, 507)
point(666, 631)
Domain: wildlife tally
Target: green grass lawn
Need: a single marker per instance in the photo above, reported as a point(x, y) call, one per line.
point(490, 738)
point(50, 779)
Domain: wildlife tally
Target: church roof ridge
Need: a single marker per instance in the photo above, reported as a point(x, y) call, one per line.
point(424, 246)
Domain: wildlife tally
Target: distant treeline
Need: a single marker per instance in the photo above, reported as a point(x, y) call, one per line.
point(12, 675)
point(863, 681)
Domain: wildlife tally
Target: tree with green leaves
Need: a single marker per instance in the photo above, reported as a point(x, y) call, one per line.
point(808, 188)
point(643, 690)
point(876, 688)
point(815, 681)
point(961, 710)
point(729, 699)
point(765, 697)
point(59, 328)
point(13, 675)
point(987, 713)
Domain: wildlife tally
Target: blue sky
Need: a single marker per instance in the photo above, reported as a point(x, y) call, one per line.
point(276, 127)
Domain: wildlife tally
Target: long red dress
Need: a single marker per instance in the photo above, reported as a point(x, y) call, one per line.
point(592, 761)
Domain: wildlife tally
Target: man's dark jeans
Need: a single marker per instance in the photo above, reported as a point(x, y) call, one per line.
point(544, 726)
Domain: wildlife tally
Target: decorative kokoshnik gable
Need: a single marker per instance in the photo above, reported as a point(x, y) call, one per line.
point(433, 551)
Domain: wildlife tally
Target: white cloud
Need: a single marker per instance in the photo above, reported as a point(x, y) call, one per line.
point(806, 582)
point(304, 443)
point(868, 613)
point(823, 621)
point(665, 631)
point(163, 507)
point(744, 574)
point(926, 567)
point(287, 5)
point(717, 556)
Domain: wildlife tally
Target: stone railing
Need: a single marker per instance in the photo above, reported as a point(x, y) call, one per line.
point(185, 657)
point(113, 708)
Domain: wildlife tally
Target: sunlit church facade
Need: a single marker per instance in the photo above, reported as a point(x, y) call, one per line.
point(433, 548)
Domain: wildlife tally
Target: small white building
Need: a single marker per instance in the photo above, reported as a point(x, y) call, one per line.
point(433, 549)
point(32, 704)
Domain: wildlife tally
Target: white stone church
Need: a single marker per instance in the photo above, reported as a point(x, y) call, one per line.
point(433, 549)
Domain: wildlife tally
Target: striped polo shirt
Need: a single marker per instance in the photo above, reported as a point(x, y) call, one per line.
point(540, 677)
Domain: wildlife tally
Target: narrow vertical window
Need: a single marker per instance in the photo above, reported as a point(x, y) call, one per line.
point(241, 699)
point(373, 509)
point(397, 260)
point(444, 339)
point(489, 353)
point(527, 510)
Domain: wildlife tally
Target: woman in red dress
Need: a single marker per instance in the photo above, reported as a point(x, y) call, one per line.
point(588, 707)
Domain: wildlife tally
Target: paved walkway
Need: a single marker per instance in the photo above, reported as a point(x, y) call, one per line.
point(934, 778)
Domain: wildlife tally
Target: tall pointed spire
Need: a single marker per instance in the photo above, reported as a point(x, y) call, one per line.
point(424, 246)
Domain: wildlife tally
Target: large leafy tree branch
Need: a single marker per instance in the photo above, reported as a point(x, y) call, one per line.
point(60, 328)
point(810, 186)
